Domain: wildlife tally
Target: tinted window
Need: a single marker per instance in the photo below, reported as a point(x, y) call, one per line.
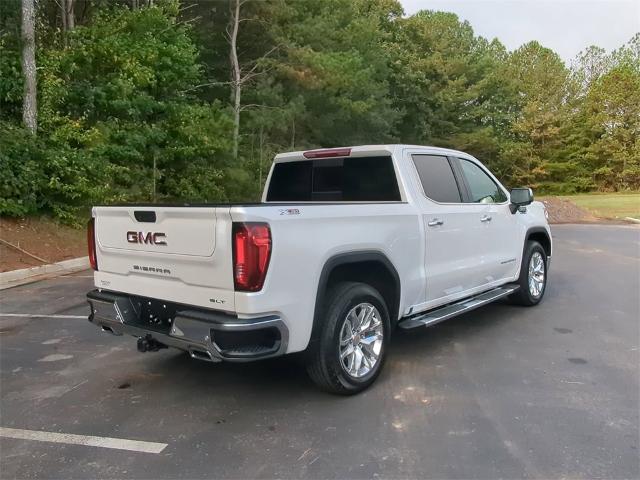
point(363, 179)
point(482, 188)
point(437, 178)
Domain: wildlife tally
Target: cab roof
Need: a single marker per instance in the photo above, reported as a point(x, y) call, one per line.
point(361, 151)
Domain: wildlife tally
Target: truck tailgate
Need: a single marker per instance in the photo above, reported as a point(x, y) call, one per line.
point(171, 253)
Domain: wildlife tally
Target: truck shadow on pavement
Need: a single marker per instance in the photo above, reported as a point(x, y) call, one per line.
point(278, 378)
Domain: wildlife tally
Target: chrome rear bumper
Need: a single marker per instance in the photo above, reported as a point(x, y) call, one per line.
point(205, 334)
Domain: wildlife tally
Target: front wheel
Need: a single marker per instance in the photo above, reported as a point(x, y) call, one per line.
point(533, 276)
point(351, 348)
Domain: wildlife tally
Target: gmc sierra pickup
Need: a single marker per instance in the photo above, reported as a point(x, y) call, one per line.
point(347, 245)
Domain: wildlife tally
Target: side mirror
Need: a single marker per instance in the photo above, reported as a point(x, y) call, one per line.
point(520, 197)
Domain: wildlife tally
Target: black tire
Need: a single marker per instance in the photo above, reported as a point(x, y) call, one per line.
point(524, 295)
point(324, 365)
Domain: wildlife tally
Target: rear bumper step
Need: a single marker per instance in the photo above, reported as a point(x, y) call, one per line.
point(454, 309)
point(205, 334)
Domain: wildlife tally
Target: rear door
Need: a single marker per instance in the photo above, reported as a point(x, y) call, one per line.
point(453, 259)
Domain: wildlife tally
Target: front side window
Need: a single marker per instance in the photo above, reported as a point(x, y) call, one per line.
point(482, 188)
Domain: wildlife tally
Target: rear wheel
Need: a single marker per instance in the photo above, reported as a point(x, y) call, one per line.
point(533, 276)
point(351, 348)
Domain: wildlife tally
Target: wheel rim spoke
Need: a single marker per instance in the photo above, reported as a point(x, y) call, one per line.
point(369, 344)
point(357, 361)
point(346, 333)
point(347, 351)
point(367, 318)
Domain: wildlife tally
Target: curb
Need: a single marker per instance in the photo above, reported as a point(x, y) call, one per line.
point(632, 220)
point(33, 274)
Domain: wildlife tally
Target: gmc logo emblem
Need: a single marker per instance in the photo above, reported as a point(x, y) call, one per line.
point(154, 238)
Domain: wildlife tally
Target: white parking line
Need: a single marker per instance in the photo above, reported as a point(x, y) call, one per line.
point(40, 315)
point(86, 440)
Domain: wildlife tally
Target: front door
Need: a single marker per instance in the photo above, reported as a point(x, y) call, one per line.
point(496, 238)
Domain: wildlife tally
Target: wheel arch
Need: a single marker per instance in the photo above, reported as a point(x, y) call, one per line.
point(367, 266)
point(540, 235)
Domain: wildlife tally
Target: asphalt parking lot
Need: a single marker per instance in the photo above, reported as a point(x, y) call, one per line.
point(505, 391)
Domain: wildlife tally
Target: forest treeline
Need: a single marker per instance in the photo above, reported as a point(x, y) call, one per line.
point(165, 100)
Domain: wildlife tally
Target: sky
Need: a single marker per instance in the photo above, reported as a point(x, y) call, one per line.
point(566, 26)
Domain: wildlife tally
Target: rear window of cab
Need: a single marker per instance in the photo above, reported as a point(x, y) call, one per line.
point(354, 179)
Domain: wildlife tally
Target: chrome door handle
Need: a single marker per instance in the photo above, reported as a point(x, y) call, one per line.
point(486, 218)
point(435, 222)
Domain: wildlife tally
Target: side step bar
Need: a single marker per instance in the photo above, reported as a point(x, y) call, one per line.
point(454, 309)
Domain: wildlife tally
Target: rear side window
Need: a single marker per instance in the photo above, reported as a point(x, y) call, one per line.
point(438, 181)
point(358, 179)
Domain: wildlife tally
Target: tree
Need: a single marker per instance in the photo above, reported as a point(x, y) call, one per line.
point(613, 122)
point(241, 75)
point(590, 65)
point(236, 75)
point(30, 100)
point(189, 99)
point(538, 78)
point(330, 78)
point(67, 12)
point(601, 149)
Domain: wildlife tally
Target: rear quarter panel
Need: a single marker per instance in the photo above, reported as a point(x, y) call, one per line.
point(305, 237)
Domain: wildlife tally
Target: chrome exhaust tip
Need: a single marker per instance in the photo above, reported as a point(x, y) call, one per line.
point(200, 354)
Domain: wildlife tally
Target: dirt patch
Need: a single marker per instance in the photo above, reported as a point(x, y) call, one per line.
point(564, 211)
point(43, 238)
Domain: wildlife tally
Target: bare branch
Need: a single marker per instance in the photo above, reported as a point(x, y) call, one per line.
point(184, 22)
point(23, 251)
point(187, 7)
point(257, 105)
point(250, 75)
point(256, 63)
point(269, 52)
point(209, 84)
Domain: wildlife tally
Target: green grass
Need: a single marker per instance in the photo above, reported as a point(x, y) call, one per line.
point(608, 205)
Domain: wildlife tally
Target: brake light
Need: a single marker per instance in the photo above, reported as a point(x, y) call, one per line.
point(91, 242)
point(328, 153)
point(251, 254)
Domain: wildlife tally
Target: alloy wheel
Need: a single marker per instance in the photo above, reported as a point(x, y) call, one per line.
point(361, 338)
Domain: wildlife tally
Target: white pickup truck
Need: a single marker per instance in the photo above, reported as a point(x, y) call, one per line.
point(347, 245)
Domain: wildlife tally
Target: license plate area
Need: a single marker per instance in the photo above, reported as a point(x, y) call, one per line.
point(153, 314)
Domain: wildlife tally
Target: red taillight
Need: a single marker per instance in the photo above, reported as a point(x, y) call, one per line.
point(251, 253)
point(91, 242)
point(328, 153)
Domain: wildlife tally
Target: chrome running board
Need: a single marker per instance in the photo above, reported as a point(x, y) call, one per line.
point(454, 309)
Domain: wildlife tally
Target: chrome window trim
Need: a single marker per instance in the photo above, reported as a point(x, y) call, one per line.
point(410, 152)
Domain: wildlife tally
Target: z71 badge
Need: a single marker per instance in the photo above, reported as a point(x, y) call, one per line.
point(289, 211)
